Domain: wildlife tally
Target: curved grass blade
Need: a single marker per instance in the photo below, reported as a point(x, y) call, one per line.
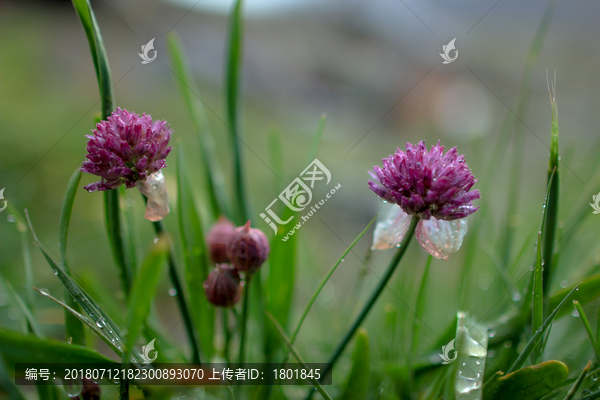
point(73, 327)
point(286, 339)
point(588, 329)
point(100, 318)
point(31, 322)
point(357, 382)
point(232, 84)
point(535, 339)
point(589, 290)
point(195, 258)
point(19, 348)
point(580, 378)
point(186, 83)
point(143, 293)
point(84, 321)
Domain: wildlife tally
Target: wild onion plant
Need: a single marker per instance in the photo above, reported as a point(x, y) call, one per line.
point(234, 285)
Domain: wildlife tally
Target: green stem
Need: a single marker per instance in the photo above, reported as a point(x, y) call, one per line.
point(181, 300)
point(245, 307)
point(373, 298)
point(115, 237)
point(227, 334)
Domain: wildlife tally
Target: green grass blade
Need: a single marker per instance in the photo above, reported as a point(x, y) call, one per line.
point(232, 84)
point(588, 329)
point(195, 258)
point(19, 348)
point(128, 229)
point(535, 339)
point(143, 292)
point(553, 195)
point(537, 319)
point(7, 383)
point(317, 139)
point(286, 339)
point(73, 327)
point(589, 290)
point(184, 79)
point(88, 304)
point(84, 321)
point(92, 32)
point(416, 325)
point(580, 378)
point(31, 322)
point(357, 382)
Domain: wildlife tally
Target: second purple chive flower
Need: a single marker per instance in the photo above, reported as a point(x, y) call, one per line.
point(432, 186)
point(130, 149)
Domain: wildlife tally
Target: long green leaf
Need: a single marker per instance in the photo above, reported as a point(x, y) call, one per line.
point(286, 339)
point(588, 329)
point(195, 258)
point(232, 84)
point(143, 293)
point(535, 339)
point(19, 348)
point(577, 383)
point(31, 321)
point(8, 387)
point(357, 382)
point(184, 79)
point(73, 327)
point(88, 304)
point(589, 290)
point(553, 195)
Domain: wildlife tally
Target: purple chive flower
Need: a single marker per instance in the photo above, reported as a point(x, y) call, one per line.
point(431, 185)
point(126, 148)
point(427, 184)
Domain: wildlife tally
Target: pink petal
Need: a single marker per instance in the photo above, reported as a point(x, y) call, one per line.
point(390, 232)
point(441, 238)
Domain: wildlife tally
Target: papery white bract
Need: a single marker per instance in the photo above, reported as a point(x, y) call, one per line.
point(158, 199)
point(441, 238)
point(390, 232)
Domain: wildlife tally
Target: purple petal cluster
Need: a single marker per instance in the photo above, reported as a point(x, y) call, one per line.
point(126, 148)
point(427, 184)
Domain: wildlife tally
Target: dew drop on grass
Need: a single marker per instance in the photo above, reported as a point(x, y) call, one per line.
point(69, 340)
point(564, 284)
point(44, 291)
point(101, 323)
point(73, 387)
point(155, 240)
point(575, 313)
point(10, 218)
point(516, 296)
point(383, 201)
point(55, 272)
point(491, 333)
point(172, 292)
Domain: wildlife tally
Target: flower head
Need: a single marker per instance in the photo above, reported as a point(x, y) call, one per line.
point(431, 186)
point(427, 184)
point(248, 248)
point(218, 239)
point(222, 287)
point(126, 148)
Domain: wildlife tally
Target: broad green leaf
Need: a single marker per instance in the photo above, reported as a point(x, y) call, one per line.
point(535, 339)
point(232, 84)
point(531, 383)
point(143, 292)
point(195, 258)
point(280, 283)
point(102, 320)
point(20, 348)
point(184, 79)
point(589, 290)
point(73, 327)
point(357, 382)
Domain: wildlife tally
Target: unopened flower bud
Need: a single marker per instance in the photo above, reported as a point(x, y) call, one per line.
point(248, 248)
point(218, 238)
point(222, 287)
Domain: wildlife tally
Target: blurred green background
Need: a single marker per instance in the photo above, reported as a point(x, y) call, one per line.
point(374, 69)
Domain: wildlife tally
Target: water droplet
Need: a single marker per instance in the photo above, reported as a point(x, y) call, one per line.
point(531, 267)
point(575, 313)
point(478, 362)
point(69, 340)
point(594, 377)
point(44, 291)
point(564, 283)
point(55, 272)
point(155, 240)
point(73, 387)
point(10, 218)
point(101, 323)
point(383, 201)
point(491, 353)
point(516, 296)
point(491, 333)
point(172, 292)
point(343, 260)
point(508, 344)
